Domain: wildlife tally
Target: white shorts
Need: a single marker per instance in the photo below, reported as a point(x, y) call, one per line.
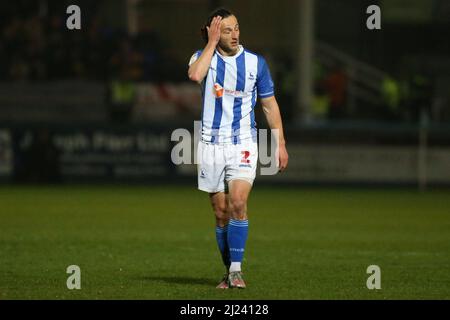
point(219, 164)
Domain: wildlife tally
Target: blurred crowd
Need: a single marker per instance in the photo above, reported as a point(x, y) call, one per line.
point(35, 45)
point(400, 96)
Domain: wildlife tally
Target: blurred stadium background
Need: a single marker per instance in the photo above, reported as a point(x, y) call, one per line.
point(360, 106)
point(97, 106)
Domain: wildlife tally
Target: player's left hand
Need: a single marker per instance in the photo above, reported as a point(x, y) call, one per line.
point(283, 158)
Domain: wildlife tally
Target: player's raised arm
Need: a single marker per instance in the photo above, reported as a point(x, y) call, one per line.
point(198, 70)
point(273, 116)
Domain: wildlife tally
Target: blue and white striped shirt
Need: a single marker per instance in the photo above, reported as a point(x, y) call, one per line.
point(229, 93)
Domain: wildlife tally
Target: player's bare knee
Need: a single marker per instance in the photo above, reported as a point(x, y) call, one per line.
point(222, 222)
point(238, 208)
point(220, 210)
point(221, 215)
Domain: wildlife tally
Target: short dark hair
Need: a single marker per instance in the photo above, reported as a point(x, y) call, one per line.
point(224, 13)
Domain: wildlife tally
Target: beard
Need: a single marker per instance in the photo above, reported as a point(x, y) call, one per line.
point(229, 49)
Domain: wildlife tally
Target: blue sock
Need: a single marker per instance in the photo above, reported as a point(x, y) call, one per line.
point(237, 236)
point(222, 242)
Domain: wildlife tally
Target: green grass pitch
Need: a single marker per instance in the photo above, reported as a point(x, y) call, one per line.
point(144, 242)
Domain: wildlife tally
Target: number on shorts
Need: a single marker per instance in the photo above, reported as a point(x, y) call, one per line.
point(245, 155)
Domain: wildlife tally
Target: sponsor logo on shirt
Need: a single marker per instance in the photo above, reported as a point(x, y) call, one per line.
point(218, 90)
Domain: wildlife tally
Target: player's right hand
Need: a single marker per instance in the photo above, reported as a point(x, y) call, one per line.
point(214, 30)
